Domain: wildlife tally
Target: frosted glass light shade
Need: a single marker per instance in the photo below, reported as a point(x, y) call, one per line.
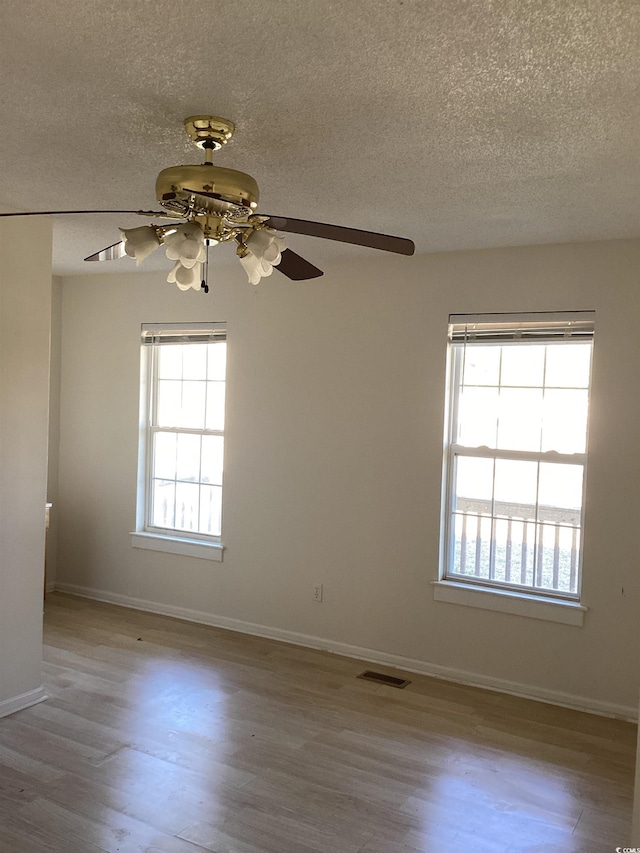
point(186, 277)
point(185, 246)
point(185, 243)
point(140, 242)
point(253, 268)
point(266, 244)
point(265, 248)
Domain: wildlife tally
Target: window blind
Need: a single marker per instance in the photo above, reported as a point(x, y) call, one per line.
point(154, 334)
point(535, 328)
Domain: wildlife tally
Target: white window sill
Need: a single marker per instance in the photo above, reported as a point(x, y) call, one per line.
point(176, 545)
point(508, 601)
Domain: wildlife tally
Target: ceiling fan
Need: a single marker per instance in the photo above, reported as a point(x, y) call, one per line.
point(206, 205)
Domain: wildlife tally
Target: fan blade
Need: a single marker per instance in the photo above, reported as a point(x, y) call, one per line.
point(371, 239)
point(75, 212)
point(111, 253)
point(385, 242)
point(297, 268)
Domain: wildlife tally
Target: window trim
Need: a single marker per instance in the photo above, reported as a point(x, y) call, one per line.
point(564, 611)
point(147, 536)
point(550, 605)
point(151, 541)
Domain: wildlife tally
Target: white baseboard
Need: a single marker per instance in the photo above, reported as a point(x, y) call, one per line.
point(459, 676)
point(19, 703)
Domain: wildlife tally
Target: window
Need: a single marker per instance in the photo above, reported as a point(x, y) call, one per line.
point(516, 443)
point(182, 435)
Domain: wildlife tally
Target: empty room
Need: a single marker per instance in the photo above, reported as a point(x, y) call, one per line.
point(318, 427)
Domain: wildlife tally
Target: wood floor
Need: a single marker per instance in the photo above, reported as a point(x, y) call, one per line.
point(170, 737)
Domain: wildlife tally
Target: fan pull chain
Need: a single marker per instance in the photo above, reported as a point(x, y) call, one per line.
point(204, 284)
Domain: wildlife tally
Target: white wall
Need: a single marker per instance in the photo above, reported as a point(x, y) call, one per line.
point(334, 457)
point(25, 308)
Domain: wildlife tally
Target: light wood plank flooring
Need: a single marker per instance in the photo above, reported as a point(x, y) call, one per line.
point(166, 736)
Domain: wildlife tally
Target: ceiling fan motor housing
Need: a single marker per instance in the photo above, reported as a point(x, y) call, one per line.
point(233, 190)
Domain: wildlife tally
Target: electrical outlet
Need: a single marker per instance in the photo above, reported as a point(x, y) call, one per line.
point(317, 592)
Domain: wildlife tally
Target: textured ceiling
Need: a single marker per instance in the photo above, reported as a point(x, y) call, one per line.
point(458, 123)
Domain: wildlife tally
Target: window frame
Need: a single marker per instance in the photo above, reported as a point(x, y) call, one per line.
point(147, 535)
point(487, 592)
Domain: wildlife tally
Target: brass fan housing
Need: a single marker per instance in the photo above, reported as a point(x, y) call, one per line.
point(234, 191)
point(227, 192)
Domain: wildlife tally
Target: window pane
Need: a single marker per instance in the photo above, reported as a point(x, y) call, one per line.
point(520, 419)
point(188, 467)
point(164, 456)
point(472, 544)
point(215, 405)
point(193, 405)
point(564, 424)
point(217, 356)
point(473, 484)
point(212, 459)
point(169, 362)
point(481, 365)
point(477, 417)
point(522, 364)
point(169, 402)
point(514, 550)
point(194, 361)
point(516, 487)
point(211, 510)
point(556, 558)
point(163, 509)
point(568, 365)
point(560, 489)
point(187, 506)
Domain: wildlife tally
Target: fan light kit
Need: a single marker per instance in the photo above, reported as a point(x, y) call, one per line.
point(210, 204)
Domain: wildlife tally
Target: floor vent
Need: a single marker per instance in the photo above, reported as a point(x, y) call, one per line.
point(381, 678)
